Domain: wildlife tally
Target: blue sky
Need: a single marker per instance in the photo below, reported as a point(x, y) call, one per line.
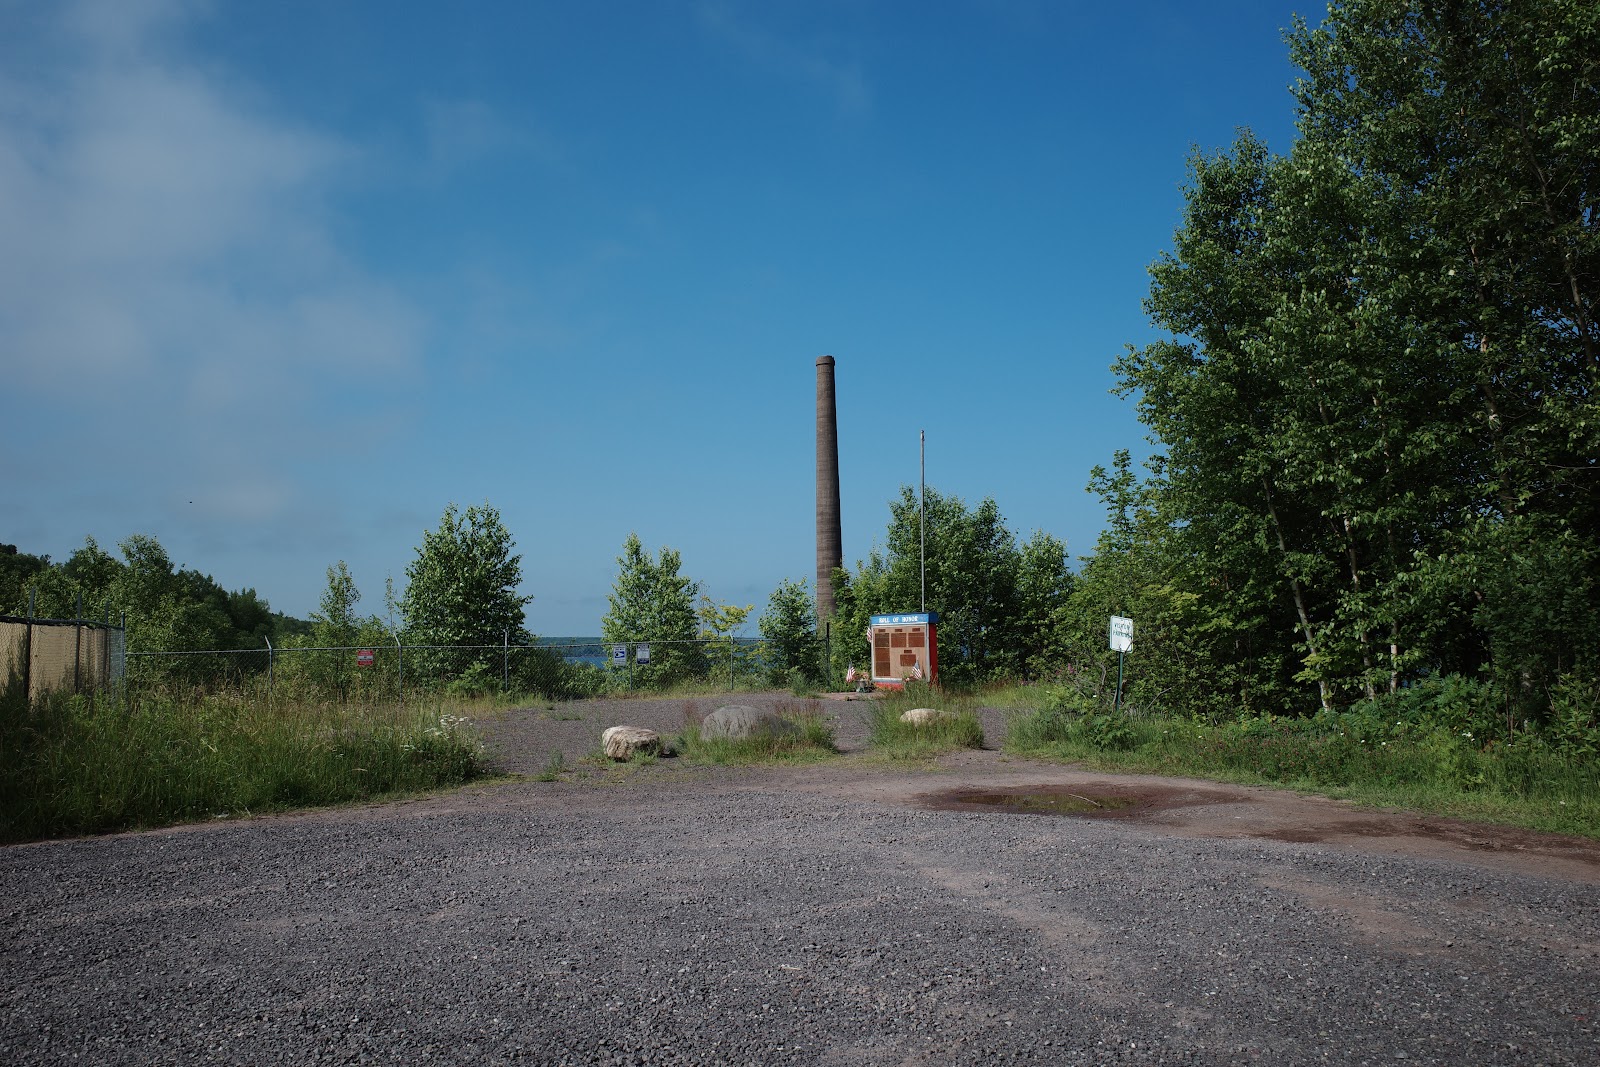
point(282, 280)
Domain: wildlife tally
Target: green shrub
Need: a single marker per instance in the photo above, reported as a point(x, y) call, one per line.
point(1109, 732)
point(1574, 729)
point(478, 680)
point(1056, 726)
point(799, 682)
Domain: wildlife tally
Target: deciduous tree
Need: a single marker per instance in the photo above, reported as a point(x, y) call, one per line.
point(789, 631)
point(463, 589)
point(650, 601)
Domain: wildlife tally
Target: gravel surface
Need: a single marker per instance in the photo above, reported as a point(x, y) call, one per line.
point(779, 915)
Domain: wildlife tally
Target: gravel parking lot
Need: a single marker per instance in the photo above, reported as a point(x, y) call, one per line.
point(852, 912)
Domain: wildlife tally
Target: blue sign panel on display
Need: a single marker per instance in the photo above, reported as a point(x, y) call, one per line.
point(901, 620)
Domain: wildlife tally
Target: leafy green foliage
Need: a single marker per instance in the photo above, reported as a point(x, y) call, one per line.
point(719, 629)
point(788, 627)
point(166, 607)
point(997, 604)
point(462, 589)
point(330, 672)
point(650, 601)
point(1044, 585)
point(1376, 405)
point(18, 571)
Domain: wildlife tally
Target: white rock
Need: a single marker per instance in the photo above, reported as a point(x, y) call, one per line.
point(622, 742)
point(925, 716)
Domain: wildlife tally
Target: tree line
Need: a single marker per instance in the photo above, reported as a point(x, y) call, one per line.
point(1377, 446)
point(1379, 451)
point(462, 590)
point(166, 606)
point(1377, 443)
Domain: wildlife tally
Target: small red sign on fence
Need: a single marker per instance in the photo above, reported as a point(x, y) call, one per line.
point(364, 657)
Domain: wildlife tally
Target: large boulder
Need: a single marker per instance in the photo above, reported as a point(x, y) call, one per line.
point(925, 716)
point(735, 722)
point(624, 742)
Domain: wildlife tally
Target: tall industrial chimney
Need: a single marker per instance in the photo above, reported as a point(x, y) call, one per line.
point(830, 540)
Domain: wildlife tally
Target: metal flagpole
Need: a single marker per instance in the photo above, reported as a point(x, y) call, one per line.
point(922, 508)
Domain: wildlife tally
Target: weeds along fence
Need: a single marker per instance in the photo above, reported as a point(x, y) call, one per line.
point(393, 672)
point(39, 656)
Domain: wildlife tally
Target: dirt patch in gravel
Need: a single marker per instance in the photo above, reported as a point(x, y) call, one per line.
point(1111, 801)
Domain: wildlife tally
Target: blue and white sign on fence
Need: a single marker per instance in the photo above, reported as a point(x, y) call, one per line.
point(619, 655)
point(641, 653)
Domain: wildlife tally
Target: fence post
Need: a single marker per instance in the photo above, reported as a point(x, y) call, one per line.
point(732, 651)
point(400, 667)
point(268, 640)
point(77, 650)
point(27, 660)
point(505, 660)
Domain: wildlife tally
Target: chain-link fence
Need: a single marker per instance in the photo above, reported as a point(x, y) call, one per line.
point(395, 671)
point(44, 655)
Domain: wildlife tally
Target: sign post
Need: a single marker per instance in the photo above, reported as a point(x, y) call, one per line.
point(1121, 635)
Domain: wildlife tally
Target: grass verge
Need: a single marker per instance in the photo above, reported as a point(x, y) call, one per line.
point(1521, 783)
point(81, 765)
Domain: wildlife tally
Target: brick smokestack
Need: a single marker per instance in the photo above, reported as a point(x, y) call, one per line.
point(830, 539)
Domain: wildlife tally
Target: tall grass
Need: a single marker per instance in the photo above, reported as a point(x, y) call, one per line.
point(895, 739)
point(1021, 696)
point(82, 764)
point(1523, 780)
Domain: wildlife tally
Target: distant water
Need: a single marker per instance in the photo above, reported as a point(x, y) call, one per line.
point(597, 650)
point(592, 650)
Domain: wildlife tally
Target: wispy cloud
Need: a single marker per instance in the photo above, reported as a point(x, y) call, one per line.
point(170, 256)
point(463, 133)
point(804, 62)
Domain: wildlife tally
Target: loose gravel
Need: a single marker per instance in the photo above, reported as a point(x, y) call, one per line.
point(771, 915)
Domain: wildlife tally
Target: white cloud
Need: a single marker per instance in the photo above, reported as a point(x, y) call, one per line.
point(459, 134)
point(170, 260)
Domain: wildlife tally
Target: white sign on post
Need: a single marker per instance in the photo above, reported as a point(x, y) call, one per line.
point(641, 653)
point(1121, 634)
point(619, 655)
